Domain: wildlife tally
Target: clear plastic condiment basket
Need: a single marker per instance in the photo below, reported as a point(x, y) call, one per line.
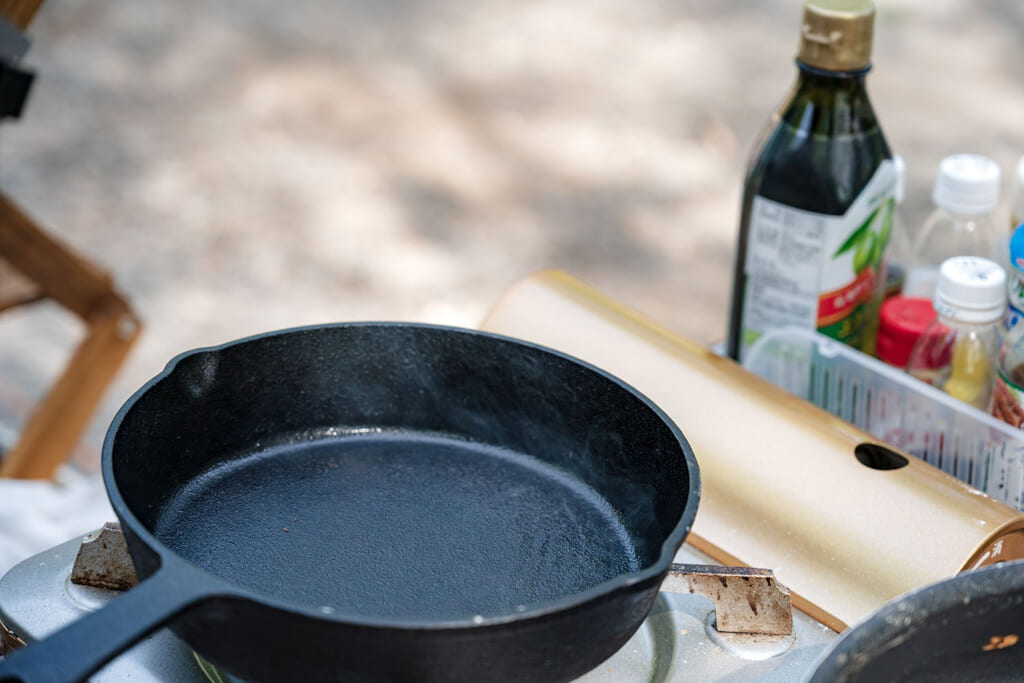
point(896, 408)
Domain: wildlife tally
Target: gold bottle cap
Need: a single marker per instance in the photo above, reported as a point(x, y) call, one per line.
point(836, 34)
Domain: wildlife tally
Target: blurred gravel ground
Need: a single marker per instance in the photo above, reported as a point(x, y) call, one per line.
point(243, 166)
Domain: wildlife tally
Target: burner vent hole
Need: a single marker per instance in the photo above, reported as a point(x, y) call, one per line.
point(879, 457)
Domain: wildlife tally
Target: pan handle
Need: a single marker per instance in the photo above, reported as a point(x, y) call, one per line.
point(81, 648)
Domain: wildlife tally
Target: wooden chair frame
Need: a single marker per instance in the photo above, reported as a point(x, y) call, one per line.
point(20, 12)
point(57, 423)
point(53, 271)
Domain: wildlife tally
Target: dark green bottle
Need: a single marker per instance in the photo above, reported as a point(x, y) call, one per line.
point(818, 197)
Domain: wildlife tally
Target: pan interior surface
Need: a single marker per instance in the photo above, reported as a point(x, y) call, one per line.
point(398, 525)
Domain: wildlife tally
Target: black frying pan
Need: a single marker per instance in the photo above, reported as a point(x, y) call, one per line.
point(386, 502)
point(967, 628)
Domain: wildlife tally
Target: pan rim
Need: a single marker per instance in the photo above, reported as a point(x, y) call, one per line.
point(655, 571)
point(903, 617)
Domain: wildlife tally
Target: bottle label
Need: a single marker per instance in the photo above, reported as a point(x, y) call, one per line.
point(815, 270)
point(1008, 401)
point(1012, 318)
point(1015, 290)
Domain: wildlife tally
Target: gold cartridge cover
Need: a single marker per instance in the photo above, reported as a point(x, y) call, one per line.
point(782, 486)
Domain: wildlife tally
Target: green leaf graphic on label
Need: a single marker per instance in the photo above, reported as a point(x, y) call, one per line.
point(887, 222)
point(857, 236)
point(865, 254)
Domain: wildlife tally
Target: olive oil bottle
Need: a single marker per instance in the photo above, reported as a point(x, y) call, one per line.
point(818, 197)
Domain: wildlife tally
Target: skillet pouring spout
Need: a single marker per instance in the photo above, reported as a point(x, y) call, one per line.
point(386, 502)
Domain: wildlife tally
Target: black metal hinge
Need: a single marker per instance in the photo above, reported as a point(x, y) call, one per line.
point(15, 80)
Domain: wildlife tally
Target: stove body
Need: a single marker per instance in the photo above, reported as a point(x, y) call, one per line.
point(678, 641)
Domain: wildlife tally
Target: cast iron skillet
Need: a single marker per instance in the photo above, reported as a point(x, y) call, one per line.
point(967, 628)
point(366, 502)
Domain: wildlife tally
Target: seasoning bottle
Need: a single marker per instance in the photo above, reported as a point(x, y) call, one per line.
point(957, 352)
point(1008, 394)
point(965, 194)
point(818, 196)
point(1015, 280)
point(890, 283)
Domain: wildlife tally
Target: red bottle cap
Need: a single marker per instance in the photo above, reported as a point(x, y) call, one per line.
point(901, 322)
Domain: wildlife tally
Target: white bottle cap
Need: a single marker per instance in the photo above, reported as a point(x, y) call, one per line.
point(967, 183)
point(971, 290)
point(900, 189)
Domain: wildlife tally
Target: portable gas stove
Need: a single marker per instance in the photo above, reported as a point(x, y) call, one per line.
point(679, 640)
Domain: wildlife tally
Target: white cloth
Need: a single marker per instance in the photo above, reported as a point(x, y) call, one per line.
point(36, 515)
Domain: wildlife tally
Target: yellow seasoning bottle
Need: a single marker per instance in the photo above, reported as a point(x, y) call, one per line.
point(958, 351)
point(818, 195)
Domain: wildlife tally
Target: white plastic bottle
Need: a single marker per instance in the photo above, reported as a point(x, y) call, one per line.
point(965, 195)
point(958, 351)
